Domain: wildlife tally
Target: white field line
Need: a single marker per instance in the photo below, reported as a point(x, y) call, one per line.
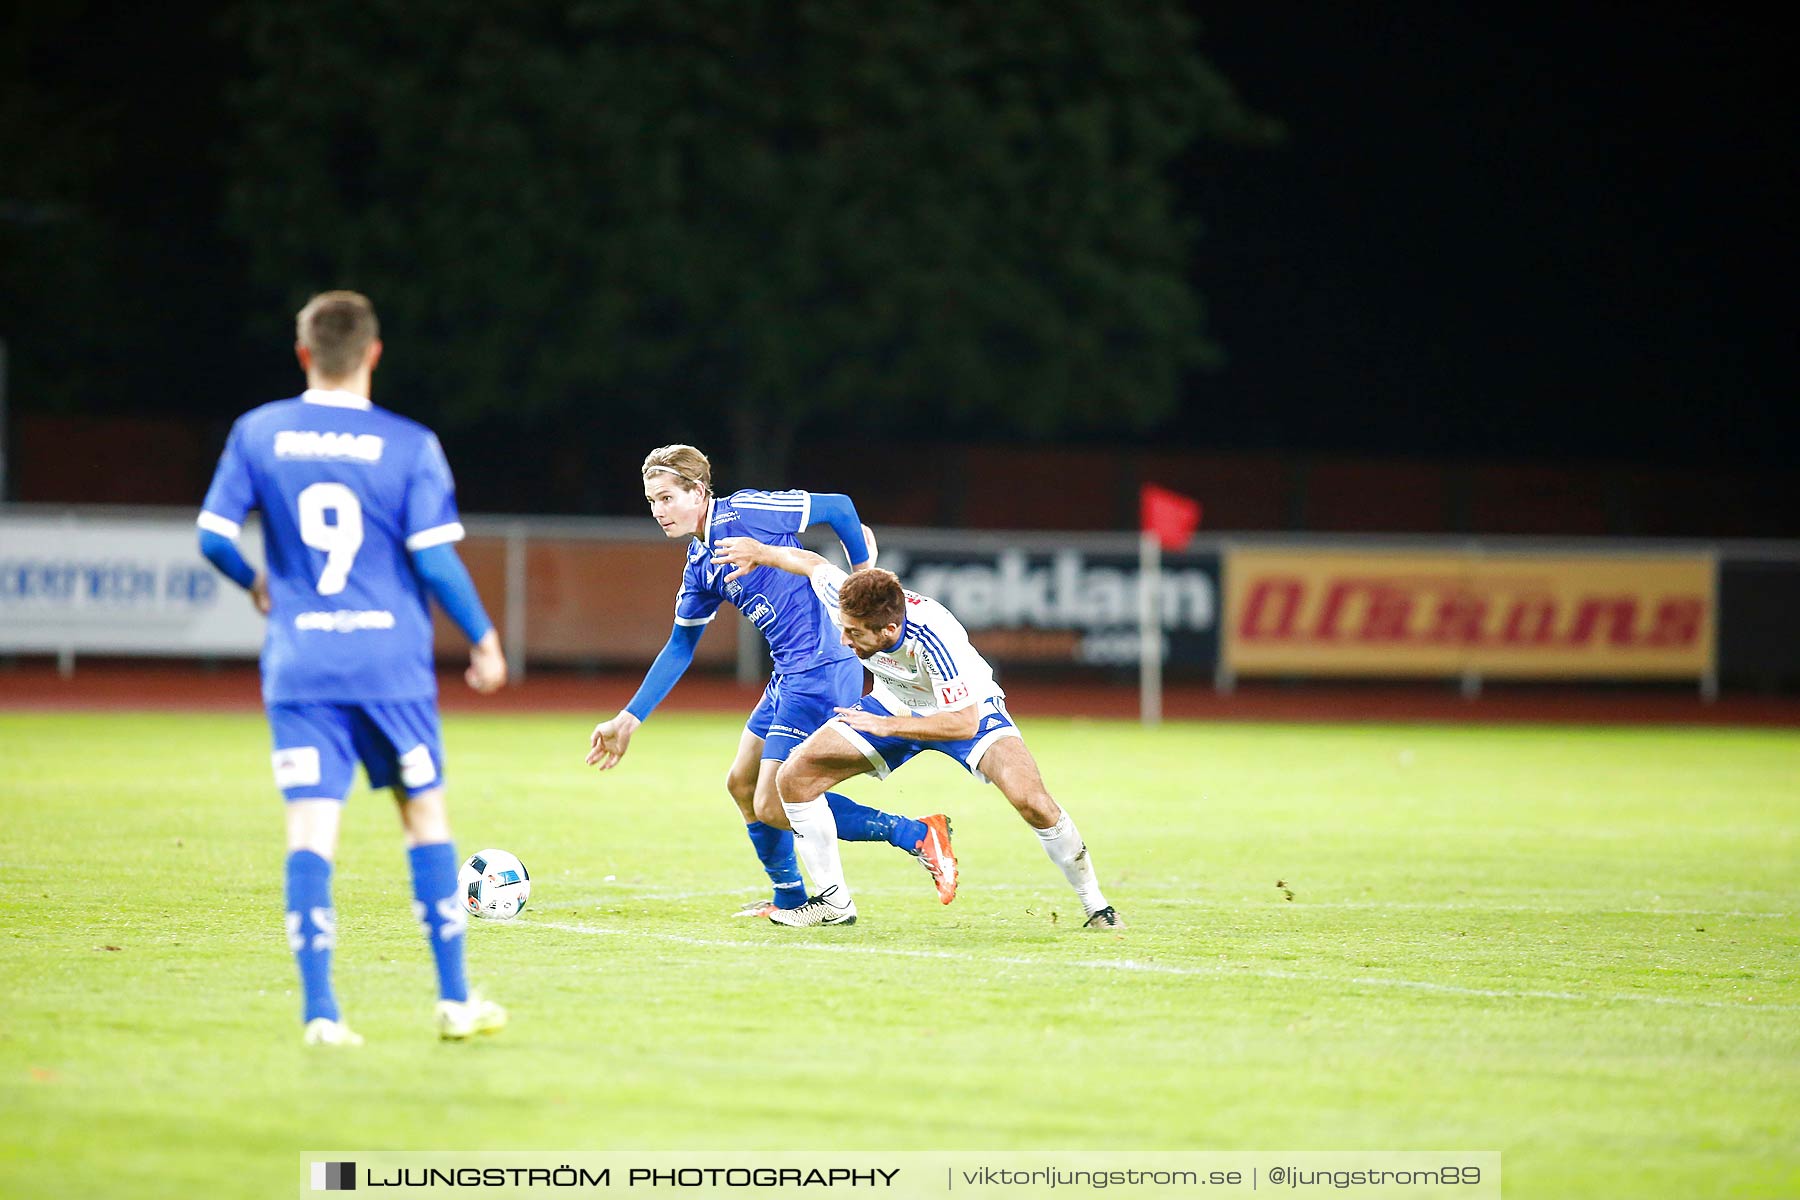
point(1426, 906)
point(625, 892)
point(1151, 968)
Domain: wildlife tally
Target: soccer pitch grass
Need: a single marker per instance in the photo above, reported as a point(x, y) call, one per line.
point(1575, 946)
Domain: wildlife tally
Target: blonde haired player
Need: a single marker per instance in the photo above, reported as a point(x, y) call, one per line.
point(813, 674)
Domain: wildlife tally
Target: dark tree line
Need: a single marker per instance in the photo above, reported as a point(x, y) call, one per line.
point(765, 215)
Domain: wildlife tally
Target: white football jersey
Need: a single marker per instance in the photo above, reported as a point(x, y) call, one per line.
point(933, 669)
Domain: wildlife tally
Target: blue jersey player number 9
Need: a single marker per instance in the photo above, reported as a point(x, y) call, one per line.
point(340, 538)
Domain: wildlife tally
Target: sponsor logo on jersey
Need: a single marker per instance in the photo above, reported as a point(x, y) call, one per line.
point(758, 611)
point(950, 695)
point(344, 620)
point(311, 444)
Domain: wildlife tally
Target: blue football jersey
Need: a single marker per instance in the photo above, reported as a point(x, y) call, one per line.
point(346, 491)
point(781, 605)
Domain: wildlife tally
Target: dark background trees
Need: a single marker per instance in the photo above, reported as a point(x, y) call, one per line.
point(596, 227)
point(743, 219)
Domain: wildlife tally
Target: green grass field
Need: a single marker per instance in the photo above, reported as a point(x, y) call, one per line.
point(1580, 947)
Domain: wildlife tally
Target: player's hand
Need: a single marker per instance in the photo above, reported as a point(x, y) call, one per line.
point(259, 593)
point(744, 553)
point(610, 740)
point(487, 665)
point(865, 722)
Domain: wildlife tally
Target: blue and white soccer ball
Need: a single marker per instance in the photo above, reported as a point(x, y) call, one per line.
point(494, 885)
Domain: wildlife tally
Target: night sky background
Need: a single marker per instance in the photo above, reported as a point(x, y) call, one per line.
point(1485, 234)
point(1495, 232)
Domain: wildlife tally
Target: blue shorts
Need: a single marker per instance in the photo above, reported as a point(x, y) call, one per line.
point(795, 705)
point(317, 747)
point(887, 754)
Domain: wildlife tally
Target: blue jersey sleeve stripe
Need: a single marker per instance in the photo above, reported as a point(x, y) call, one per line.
point(687, 621)
point(938, 651)
point(750, 497)
point(214, 523)
point(439, 535)
point(772, 506)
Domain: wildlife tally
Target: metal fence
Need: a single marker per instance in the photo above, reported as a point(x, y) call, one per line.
point(599, 592)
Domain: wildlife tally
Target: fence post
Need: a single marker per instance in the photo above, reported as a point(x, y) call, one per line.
point(1224, 677)
point(1470, 684)
point(1709, 681)
point(750, 659)
point(514, 635)
point(1150, 686)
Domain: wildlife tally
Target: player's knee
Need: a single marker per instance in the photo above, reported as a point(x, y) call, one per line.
point(1036, 806)
point(791, 781)
point(430, 830)
point(313, 825)
point(426, 818)
point(741, 785)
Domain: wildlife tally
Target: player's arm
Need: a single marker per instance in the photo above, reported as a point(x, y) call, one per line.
point(228, 501)
point(445, 577)
point(610, 739)
point(222, 552)
point(945, 725)
point(836, 510)
point(746, 554)
point(432, 529)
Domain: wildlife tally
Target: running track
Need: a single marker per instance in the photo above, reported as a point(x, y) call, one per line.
point(115, 686)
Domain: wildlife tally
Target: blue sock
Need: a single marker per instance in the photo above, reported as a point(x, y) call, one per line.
point(312, 929)
point(775, 847)
point(860, 823)
point(440, 911)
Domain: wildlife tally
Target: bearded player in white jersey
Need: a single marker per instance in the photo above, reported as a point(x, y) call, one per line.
point(932, 692)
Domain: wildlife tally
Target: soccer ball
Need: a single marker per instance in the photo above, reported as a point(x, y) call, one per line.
point(494, 885)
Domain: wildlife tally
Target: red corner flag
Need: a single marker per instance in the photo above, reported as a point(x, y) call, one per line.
point(1171, 516)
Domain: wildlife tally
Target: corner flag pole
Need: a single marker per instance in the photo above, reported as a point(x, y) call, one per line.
point(1166, 521)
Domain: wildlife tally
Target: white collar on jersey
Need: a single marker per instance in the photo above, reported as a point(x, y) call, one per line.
point(706, 529)
point(333, 398)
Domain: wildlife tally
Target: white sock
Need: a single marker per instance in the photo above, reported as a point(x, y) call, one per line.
point(816, 841)
point(1062, 842)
